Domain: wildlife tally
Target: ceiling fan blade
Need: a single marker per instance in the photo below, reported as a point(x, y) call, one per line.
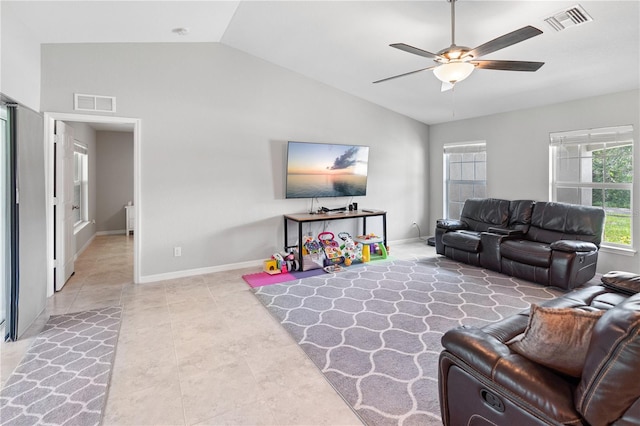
point(503, 41)
point(414, 50)
point(402, 75)
point(508, 65)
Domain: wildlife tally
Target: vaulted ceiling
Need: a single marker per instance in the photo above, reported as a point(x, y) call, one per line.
point(345, 44)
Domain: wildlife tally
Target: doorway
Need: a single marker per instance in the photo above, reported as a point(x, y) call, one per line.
point(105, 122)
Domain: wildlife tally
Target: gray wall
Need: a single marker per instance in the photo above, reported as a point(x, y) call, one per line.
point(215, 122)
point(32, 221)
point(114, 179)
point(518, 153)
point(85, 134)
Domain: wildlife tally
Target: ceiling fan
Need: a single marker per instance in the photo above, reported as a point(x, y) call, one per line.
point(455, 63)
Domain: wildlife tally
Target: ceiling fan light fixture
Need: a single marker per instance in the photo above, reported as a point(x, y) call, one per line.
point(453, 72)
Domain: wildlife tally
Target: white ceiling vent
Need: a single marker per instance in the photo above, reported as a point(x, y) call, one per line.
point(575, 15)
point(94, 103)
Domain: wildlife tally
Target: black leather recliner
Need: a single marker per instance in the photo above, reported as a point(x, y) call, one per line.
point(548, 243)
point(483, 381)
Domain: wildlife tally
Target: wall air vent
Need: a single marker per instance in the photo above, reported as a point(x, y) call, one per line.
point(575, 15)
point(94, 103)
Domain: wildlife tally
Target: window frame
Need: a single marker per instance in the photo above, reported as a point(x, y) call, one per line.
point(593, 140)
point(478, 190)
point(81, 179)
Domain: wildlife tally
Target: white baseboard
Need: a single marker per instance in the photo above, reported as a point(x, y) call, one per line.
point(200, 271)
point(117, 232)
point(84, 247)
point(232, 266)
point(407, 241)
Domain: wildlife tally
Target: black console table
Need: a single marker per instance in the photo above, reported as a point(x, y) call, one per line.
point(301, 218)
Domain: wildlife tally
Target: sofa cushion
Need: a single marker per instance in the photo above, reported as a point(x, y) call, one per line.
point(623, 282)
point(609, 383)
point(520, 212)
point(559, 221)
point(481, 213)
point(463, 240)
point(557, 338)
point(527, 252)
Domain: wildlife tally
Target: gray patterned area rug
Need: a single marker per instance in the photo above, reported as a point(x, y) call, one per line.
point(375, 331)
point(64, 376)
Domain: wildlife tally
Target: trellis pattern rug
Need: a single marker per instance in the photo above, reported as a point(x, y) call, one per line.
point(375, 332)
point(64, 376)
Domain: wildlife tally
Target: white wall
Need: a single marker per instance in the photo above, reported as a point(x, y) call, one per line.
point(518, 153)
point(215, 122)
point(19, 62)
point(114, 179)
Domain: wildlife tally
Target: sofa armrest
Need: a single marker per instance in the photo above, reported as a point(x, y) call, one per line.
point(572, 246)
point(622, 282)
point(451, 224)
point(612, 366)
point(490, 254)
point(531, 384)
point(475, 347)
point(506, 231)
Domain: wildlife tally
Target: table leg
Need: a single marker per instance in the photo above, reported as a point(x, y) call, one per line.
point(384, 228)
point(300, 242)
point(286, 239)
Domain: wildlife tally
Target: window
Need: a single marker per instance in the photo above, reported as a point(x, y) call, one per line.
point(595, 168)
point(465, 176)
point(80, 184)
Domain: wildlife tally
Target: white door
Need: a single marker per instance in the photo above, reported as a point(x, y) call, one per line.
point(64, 248)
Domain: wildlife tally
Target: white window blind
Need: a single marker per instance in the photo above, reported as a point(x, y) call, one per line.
point(465, 175)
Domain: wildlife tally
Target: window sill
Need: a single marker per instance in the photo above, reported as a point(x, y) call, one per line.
point(80, 226)
point(618, 250)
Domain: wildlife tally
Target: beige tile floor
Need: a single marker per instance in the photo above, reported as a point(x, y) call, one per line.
point(194, 351)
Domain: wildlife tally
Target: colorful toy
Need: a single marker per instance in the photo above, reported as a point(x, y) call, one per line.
point(311, 246)
point(271, 267)
point(281, 263)
point(331, 248)
point(291, 261)
point(350, 249)
point(333, 269)
point(371, 245)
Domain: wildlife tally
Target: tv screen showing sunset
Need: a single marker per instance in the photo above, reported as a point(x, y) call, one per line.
point(326, 170)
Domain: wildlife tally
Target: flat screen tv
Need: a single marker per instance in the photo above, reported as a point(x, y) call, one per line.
point(317, 170)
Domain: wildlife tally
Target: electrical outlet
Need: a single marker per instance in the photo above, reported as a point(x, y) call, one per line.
point(414, 224)
point(177, 251)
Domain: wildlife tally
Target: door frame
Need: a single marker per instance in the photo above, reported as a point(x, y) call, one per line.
point(49, 125)
point(65, 247)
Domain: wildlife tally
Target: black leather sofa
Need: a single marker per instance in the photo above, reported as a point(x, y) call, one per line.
point(544, 242)
point(483, 381)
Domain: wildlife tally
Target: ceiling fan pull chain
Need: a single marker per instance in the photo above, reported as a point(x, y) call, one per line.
point(453, 102)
